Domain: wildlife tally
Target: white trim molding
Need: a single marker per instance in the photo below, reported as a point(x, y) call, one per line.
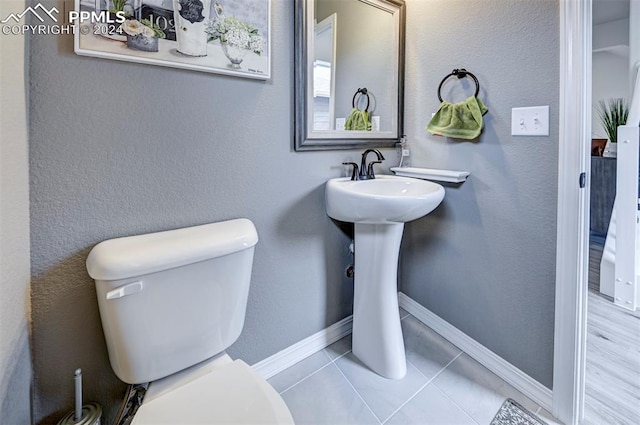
point(573, 211)
point(301, 350)
point(496, 364)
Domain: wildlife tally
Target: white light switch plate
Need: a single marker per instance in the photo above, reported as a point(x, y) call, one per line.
point(375, 123)
point(530, 121)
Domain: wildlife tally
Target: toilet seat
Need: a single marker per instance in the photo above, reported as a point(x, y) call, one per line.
point(229, 394)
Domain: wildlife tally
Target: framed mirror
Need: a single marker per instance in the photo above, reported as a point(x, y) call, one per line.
point(349, 72)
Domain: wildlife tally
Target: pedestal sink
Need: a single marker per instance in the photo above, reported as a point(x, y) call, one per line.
point(379, 208)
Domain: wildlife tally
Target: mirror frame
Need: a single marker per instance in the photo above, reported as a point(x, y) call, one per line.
point(303, 140)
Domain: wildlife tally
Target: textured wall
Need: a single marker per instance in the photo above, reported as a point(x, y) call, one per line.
point(15, 360)
point(485, 259)
point(610, 67)
point(634, 39)
point(610, 79)
point(121, 149)
point(114, 153)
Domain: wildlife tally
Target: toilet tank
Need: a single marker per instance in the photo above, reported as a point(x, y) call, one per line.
point(169, 300)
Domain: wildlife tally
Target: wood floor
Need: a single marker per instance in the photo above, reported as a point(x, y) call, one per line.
point(613, 356)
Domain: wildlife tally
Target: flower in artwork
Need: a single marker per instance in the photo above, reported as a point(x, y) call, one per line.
point(148, 32)
point(132, 27)
point(142, 35)
point(233, 32)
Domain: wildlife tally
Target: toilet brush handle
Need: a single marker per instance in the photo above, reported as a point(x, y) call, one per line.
point(78, 387)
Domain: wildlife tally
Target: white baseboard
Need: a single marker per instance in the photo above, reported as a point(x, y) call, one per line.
point(512, 375)
point(496, 364)
point(301, 350)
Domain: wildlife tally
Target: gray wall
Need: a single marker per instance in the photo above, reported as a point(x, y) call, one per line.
point(485, 259)
point(15, 359)
point(113, 153)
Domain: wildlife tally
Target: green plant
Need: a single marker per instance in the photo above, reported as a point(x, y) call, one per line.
point(156, 29)
point(612, 115)
point(118, 5)
point(133, 28)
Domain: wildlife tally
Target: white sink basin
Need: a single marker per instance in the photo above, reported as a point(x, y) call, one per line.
point(385, 199)
point(379, 208)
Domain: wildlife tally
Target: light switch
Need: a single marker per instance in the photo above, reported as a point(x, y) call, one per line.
point(375, 123)
point(530, 121)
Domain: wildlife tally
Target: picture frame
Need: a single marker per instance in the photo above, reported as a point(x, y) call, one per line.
point(231, 37)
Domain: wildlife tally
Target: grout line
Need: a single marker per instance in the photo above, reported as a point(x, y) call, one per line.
point(454, 402)
point(340, 356)
point(327, 354)
point(424, 386)
point(446, 366)
point(406, 402)
point(358, 394)
point(315, 371)
point(419, 371)
point(306, 377)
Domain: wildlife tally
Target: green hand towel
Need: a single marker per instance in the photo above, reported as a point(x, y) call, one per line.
point(358, 120)
point(459, 120)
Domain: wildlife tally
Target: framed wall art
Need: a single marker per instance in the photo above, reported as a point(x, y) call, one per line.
point(221, 36)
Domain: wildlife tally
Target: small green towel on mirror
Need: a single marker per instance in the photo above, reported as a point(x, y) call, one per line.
point(459, 120)
point(358, 120)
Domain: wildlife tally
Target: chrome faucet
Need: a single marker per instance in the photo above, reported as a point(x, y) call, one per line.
point(365, 172)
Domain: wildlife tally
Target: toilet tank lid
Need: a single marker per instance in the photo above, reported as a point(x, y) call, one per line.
point(132, 256)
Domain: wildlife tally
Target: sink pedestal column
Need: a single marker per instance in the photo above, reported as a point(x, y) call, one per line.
point(377, 334)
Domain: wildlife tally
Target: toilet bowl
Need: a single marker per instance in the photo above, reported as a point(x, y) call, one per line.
point(171, 303)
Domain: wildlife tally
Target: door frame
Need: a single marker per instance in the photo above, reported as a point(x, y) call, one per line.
point(572, 248)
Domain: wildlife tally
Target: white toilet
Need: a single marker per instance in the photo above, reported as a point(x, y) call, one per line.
point(171, 303)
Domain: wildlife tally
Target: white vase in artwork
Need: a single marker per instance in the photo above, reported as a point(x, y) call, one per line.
point(610, 150)
point(235, 54)
point(190, 17)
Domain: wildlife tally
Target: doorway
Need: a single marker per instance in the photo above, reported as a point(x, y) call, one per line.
point(573, 211)
point(612, 380)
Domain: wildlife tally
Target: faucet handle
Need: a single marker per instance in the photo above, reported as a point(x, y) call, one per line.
point(354, 173)
point(370, 173)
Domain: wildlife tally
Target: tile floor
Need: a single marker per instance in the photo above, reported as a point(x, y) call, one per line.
point(442, 386)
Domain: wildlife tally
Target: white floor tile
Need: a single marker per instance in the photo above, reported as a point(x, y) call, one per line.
point(339, 348)
point(298, 371)
point(430, 407)
point(384, 396)
point(477, 390)
point(334, 387)
point(548, 418)
point(425, 349)
point(403, 313)
point(327, 398)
